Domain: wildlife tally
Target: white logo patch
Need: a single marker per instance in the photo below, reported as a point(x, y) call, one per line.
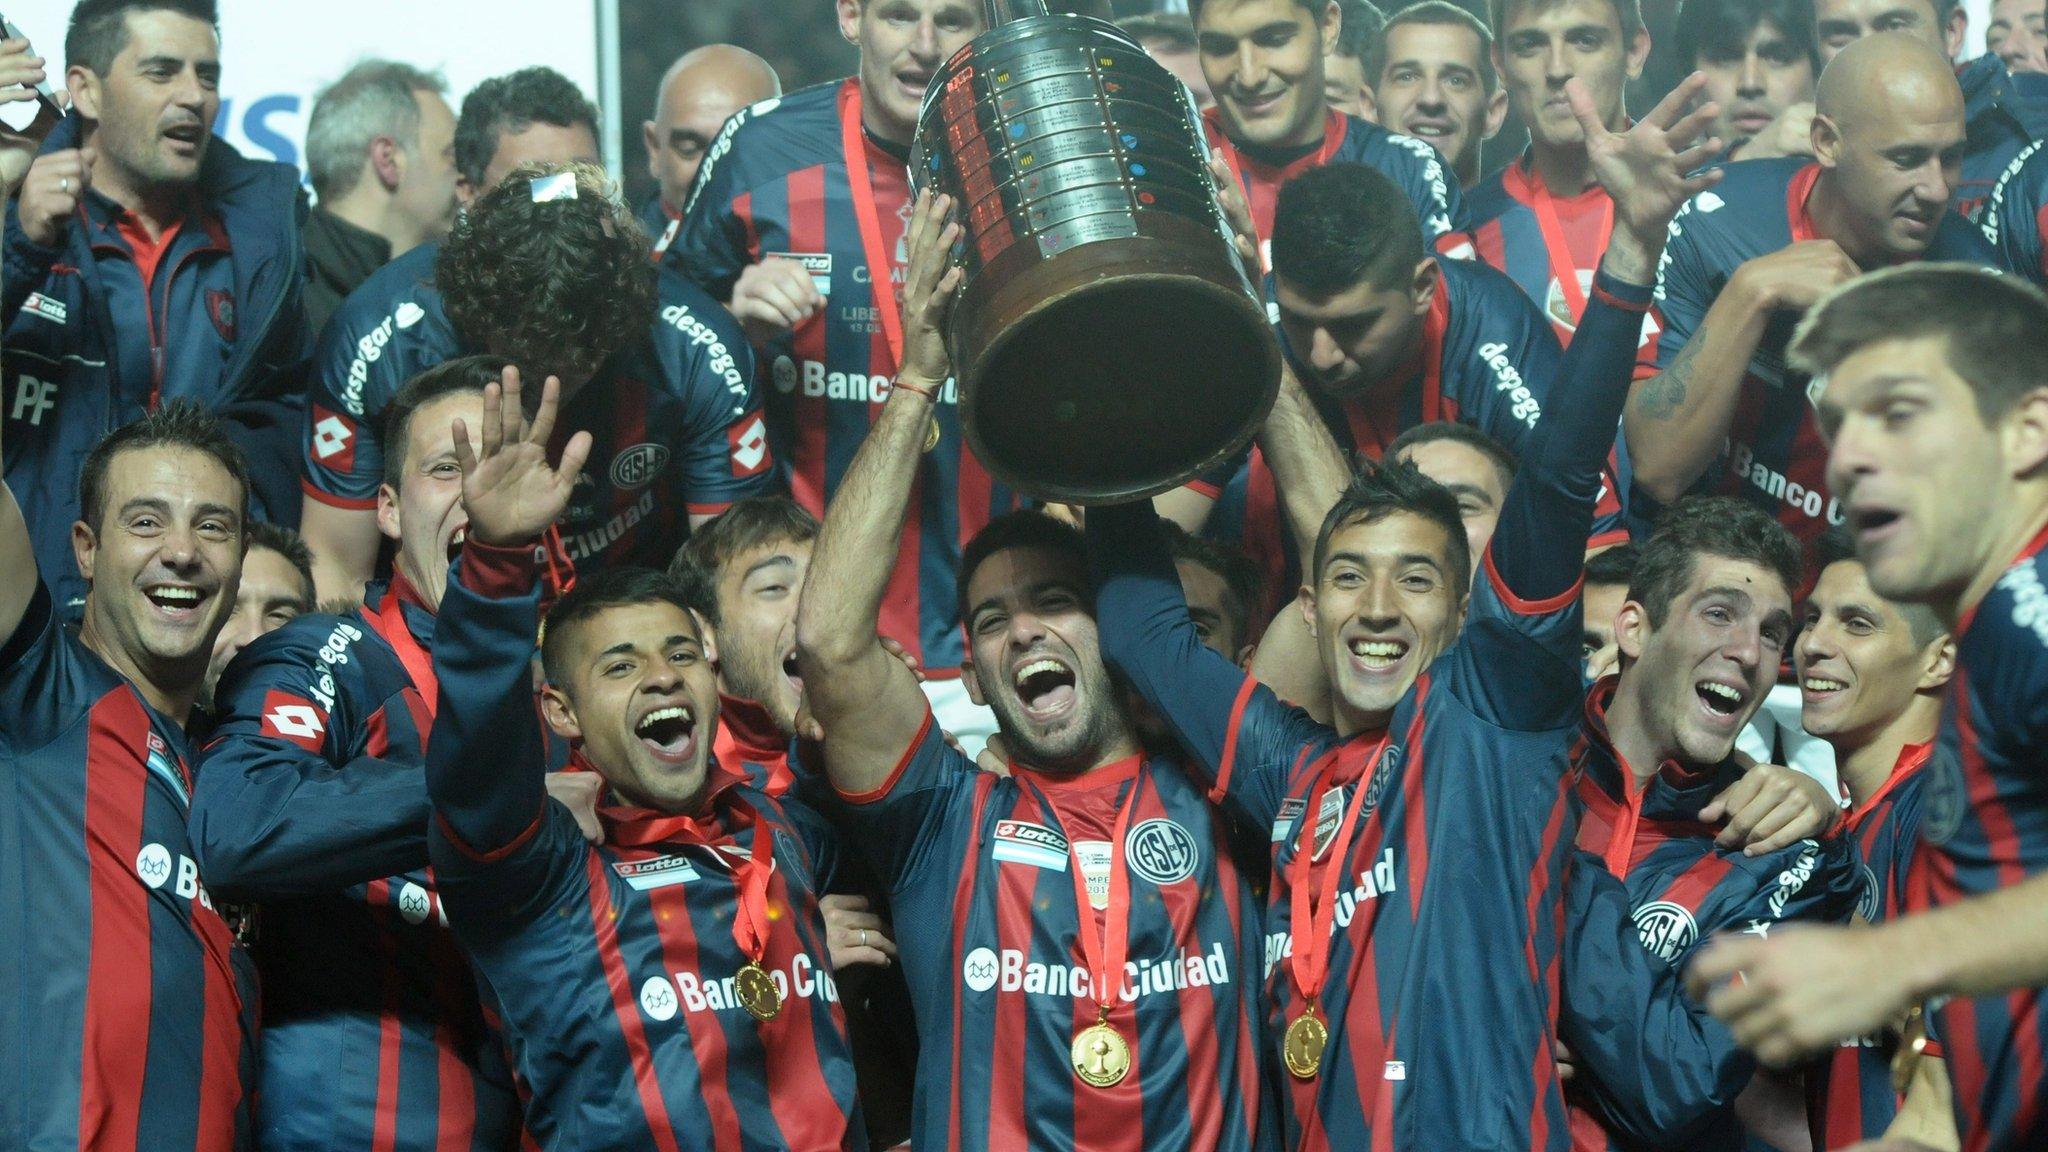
point(296, 720)
point(1094, 858)
point(980, 969)
point(153, 864)
point(657, 999)
point(1161, 851)
point(409, 314)
point(414, 903)
point(1022, 842)
point(331, 436)
point(1667, 930)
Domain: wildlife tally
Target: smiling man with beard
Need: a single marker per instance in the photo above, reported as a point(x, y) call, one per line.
point(312, 798)
point(1090, 980)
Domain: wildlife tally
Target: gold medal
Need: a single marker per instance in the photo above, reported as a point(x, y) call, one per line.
point(1303, 1048)
point(757, 992)
point(931, 432)
point(1101, 1055)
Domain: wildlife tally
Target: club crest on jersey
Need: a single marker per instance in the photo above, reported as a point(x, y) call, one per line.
point(1161, 851)
point(1329, 817)
point(291, 718)
point(1667, 930)
point(660, 872)
point(220, 308)
point(1022, 842)
point(1559, 308)
point(636, 467)
point(1943, 797)
point(818, 264)
point(1868, 907)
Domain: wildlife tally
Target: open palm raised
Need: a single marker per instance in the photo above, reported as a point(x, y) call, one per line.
point(1656, 165)
point(511, 493)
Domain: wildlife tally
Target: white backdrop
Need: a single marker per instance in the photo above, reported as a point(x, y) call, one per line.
point(275, 54)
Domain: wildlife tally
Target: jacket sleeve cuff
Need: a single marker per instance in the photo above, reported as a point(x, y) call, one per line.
point(1622, 294)
point(498, 573)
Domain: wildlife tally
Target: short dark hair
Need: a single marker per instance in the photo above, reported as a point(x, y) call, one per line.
point(1243, 590)
point(1380, 490)
point(471, 374)
point(1994, 327)
point(598, 593)
point(1835, 547)
point(1612, 566)
point(511, 104)
point(557, 286)
point(752, 523)
point(1195, 7)
point(1504, 463)
point(1341, 225)
point(1724, 526)
point(1174, 28)
point(1722, 28)
point(178, 424)
point(1430, 13)
point(1026, 529)
point(286, 543)
point(99, 28)
point(1628, 13)
point(1359, 32)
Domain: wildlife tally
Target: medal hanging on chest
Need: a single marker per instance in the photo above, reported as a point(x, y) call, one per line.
point(754, 987)
point(1307, 1036)
point(1101, 1054)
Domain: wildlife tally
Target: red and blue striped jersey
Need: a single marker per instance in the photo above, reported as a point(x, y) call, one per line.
point(1414, 167)
point(1682, 887)
point(1487, 358)
point(613, 967)
point(2016, 216)
point(124, 1027)
point(776, 183)
point(1510, 233)
point(1849, 1095)
point(676, 423)
point(1001, 998)
point(1984, 826)
point(2003, 112)
point(1774, 456)
point(312, 799)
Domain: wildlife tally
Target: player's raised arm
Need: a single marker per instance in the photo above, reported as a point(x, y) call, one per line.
point(484, 634)
point(18, 73)
point(867, 700)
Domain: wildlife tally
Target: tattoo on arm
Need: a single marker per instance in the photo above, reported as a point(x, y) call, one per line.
point(1665, 394)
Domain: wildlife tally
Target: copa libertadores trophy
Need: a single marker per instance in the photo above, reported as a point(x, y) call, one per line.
point(1108, 341)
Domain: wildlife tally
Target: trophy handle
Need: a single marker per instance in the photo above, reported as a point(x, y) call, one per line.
point(1001, 12)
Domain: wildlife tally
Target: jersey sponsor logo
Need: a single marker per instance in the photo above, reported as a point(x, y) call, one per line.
point(32, 398)
point(294, 719)
point(1283, 823)
point(718, 359)
point(1667, 930)
point(637, 466)
point(748, 439)
point(48, 308)
point(370, 349)
point(159, 867)
point(1161, 851)
point(1811, 502)
point(1869, 906)
point(817, 264)
point(1010, 970)
point(784, 375)
point(660, 872)
point(1508, 378)
point(1022, 842)
point(1373, 882)
point(802, 979)
point(2029, 599)
point(1792, 879)
point(723, 145)
point(334, 653)
point(818, 384)
point(587, 544)
point(334, 440)
point(1943, 797)
point(415, 904)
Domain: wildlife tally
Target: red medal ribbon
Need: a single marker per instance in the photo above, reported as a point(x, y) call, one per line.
point(628, 827)
point(1334, 126)
point(881, 281)
point(1310, 962)
point(1562, 265)
point(1105, 955)
point(388, 621)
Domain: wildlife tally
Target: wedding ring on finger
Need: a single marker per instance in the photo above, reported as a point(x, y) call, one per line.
point(863, 937)
point(64, 185)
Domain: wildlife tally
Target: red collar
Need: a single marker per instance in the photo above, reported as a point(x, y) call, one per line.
point(1335, 126)
point(1910, 760)
point(1521, 181)
point(746, 728)
point(1798, 207)
point(402, 588)
point(1111, 775)
point(628, 825)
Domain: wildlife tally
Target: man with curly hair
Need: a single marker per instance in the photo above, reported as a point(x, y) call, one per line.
point(549, 271)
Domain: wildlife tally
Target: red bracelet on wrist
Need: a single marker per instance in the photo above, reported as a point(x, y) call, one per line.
point(927, 393)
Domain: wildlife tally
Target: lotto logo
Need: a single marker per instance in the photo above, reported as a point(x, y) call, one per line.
point(749, 439)
point(287, 717)
point(334, 440)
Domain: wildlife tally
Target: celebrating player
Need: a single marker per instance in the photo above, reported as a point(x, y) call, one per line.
point(548, 271)
point(124, 1024)
point(1095, 986)
point(2016, 216)
point(1433, 817)
point(1933, 403)
point(667, 987)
